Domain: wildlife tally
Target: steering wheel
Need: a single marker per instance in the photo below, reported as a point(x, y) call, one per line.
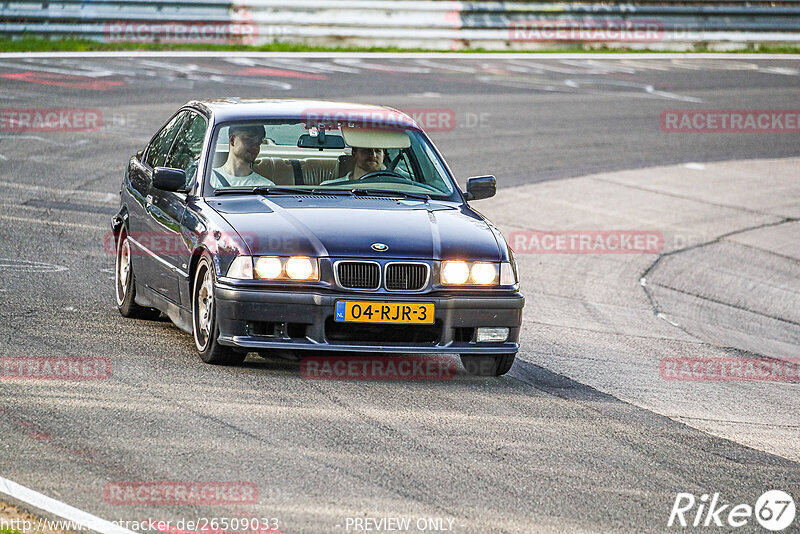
point(391, 177)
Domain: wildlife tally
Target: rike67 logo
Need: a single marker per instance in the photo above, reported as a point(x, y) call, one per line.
point(774, 510)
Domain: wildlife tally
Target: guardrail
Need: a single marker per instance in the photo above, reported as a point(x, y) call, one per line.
point(410, 23)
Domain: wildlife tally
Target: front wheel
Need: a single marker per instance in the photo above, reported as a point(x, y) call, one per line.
point(125, 283)
point(487, 365)
point(204, 321)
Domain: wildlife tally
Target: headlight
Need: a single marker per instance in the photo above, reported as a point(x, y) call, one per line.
point(484, 273)
point(470, 273)
point(299, 268)
point(455, 272)
point(269, 267)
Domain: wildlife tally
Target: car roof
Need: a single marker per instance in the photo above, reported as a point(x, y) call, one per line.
point(231, 109)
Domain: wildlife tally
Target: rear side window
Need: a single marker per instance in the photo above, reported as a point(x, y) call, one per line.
point(158, 151)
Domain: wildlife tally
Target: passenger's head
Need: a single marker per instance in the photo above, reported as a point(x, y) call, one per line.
point(245, 141)
point(368, 159)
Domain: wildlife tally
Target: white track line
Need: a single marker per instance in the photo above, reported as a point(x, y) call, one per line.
point(387, 55)
point(54, 222)
point(43, 502)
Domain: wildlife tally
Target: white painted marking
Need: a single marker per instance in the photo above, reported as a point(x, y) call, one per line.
point(606, 67)
point(390, 55)
point(68, 72)
point(70, 308)
point(50, 222)
point(672, 96)
point(381, 67)
point(97, 196)
point(44, 140)
point(24, 266)
point(664, 317)
point(779, 70)
point(425, 95)
point(70, 513)
point(444, 66)
point(695, 166)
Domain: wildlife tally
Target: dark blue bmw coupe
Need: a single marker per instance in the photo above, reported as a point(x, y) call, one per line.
point(288, 224)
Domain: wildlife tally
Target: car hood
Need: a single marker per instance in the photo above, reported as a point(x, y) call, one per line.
point(349, 226)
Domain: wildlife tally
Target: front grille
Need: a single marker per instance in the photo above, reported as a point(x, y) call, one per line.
point(358, 275)
point(406, 276)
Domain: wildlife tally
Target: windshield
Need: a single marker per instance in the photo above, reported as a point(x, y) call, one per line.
point(336, 158)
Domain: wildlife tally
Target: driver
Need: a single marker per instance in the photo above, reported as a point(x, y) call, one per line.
point(244, 146)
point(366, 160)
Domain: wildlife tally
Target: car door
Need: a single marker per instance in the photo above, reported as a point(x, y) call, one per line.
point(166, 208)
point(144, 250)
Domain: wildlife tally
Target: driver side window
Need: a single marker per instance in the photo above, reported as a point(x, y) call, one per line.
point(158, 151)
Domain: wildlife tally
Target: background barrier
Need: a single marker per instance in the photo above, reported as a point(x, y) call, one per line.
point(436, 24)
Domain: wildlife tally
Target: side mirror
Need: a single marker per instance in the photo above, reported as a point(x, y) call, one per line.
point(168, 179)
point(479, 187)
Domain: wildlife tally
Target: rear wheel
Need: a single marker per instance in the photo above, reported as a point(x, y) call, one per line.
point(125, 283)
point(204, 321)
point(487, 365)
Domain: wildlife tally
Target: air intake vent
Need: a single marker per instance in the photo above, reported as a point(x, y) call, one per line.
point(406, 276)
point(358, 274)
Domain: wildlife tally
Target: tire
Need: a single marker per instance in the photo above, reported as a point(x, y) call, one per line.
point(205, 330)
point(125, 283)
point(488, 365)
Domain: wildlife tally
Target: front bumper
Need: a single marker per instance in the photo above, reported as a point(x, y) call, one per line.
point(268, 319)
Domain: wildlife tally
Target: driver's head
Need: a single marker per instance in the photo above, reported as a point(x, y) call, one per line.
point(245, 141)
point(368, 159)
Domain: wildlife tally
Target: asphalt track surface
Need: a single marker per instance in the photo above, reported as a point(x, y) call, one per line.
point(532, 451)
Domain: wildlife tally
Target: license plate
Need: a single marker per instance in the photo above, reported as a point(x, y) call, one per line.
point(384, 312)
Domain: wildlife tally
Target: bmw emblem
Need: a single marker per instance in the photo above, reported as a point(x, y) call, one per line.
point(380, 247)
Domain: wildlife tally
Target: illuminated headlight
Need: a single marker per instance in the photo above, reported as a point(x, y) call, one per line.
point(302, 268)
point(455, 272)
point(269, 267)
point(484, 273)
point(489, 335)
point(470, 273)
point(299, 268)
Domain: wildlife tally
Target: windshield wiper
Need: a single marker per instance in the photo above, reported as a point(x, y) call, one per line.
point(385, 193)
point(338, 192)
point(260, 190)
point(279, 190)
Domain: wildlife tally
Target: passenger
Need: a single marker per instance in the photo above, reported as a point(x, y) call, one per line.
point(244, 146)
point(366, 160)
